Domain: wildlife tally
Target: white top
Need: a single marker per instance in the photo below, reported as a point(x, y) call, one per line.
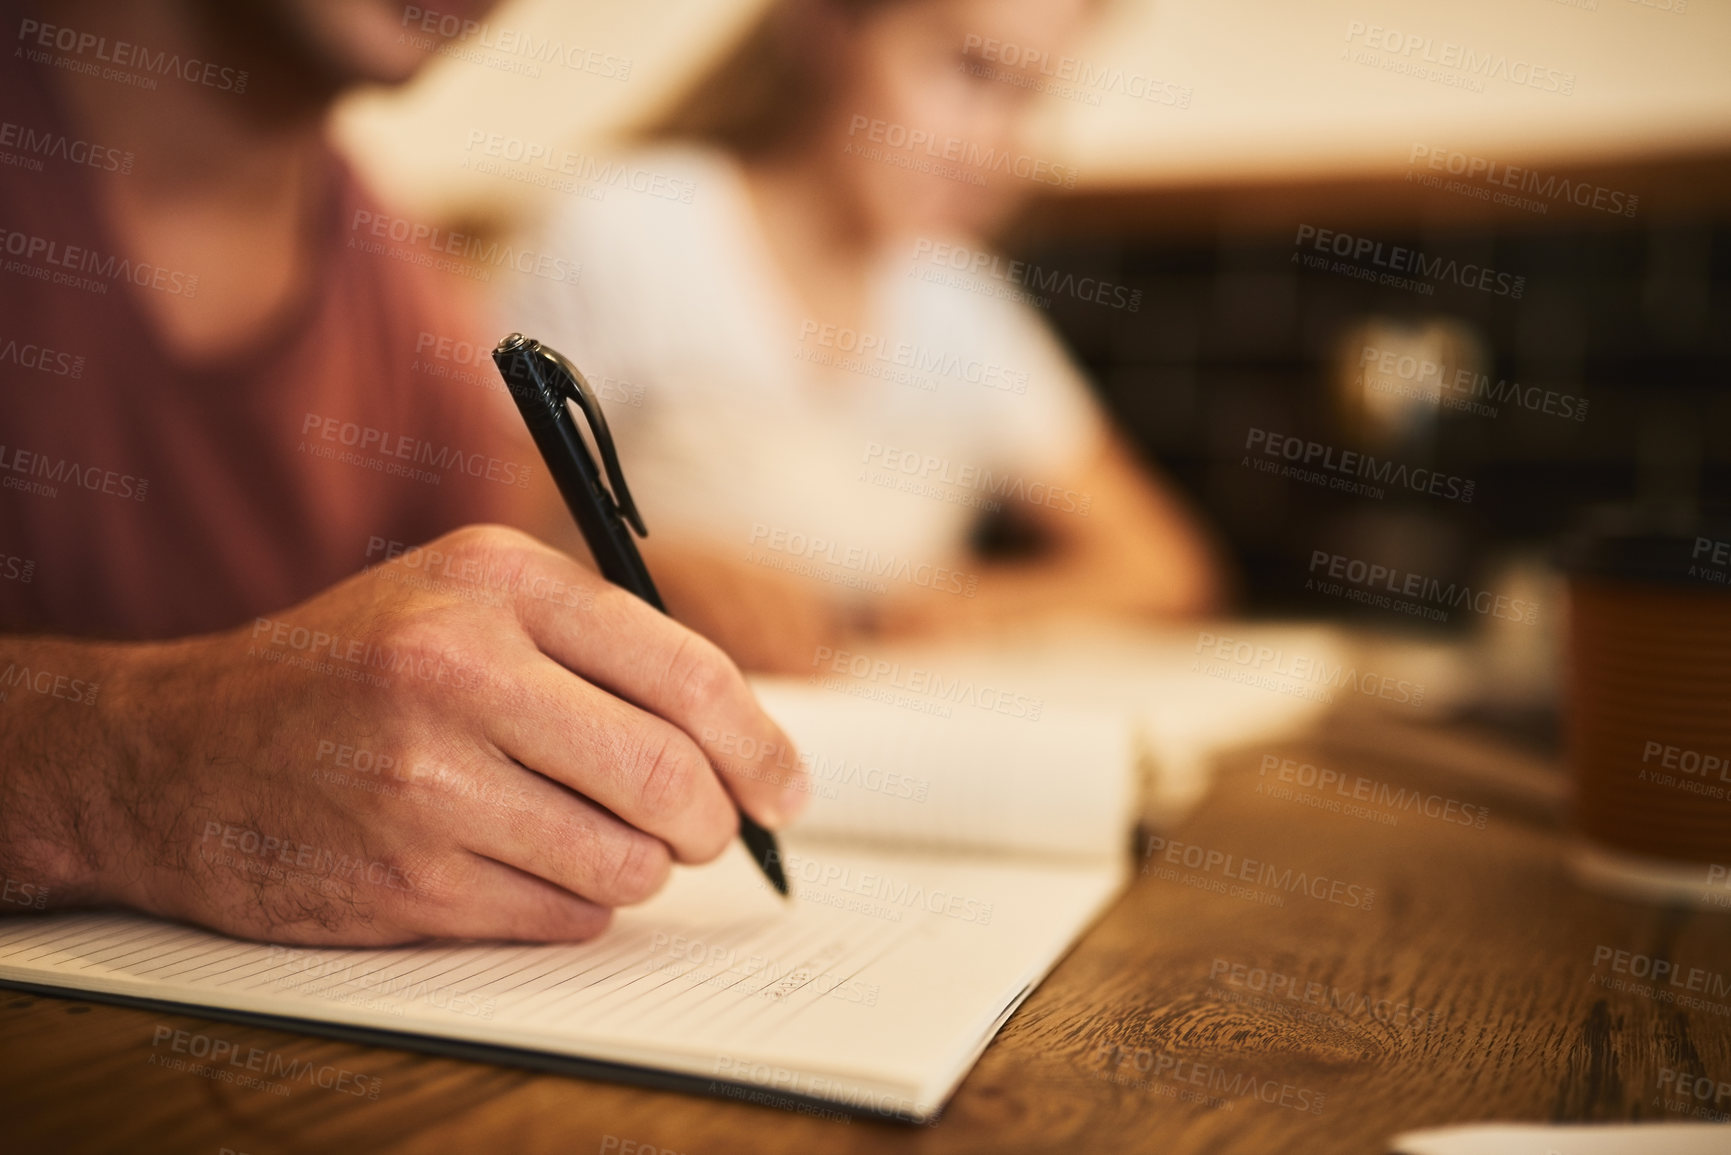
point(738, 418)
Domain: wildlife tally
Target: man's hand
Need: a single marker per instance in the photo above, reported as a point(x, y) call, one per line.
point(477, 739)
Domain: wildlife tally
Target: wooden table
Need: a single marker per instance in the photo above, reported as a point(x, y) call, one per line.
point(1480, 983)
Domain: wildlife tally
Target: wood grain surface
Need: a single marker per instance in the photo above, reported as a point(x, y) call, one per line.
point(1478, 983)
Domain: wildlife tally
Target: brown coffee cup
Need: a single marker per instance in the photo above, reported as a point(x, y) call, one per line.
point(1649, 710)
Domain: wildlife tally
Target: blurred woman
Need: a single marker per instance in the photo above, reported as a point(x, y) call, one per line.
point(816, 407)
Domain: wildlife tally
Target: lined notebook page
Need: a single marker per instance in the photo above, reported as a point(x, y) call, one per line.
point(877, 986)
point(1047, 781)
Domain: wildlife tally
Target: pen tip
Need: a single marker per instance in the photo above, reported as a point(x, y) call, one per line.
point(764, 852)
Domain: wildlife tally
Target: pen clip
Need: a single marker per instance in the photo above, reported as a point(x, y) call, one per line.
point(572, 385)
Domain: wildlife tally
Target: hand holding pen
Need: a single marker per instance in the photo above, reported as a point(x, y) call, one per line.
point(545, 385)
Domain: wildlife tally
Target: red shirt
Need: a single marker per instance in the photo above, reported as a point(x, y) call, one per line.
point(143, 496)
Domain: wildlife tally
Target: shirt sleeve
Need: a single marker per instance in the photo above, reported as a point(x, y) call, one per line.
point(1056, 425)
point(612, 321)
point(579, 321)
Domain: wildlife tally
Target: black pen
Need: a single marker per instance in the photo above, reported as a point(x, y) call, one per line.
point(542, 382)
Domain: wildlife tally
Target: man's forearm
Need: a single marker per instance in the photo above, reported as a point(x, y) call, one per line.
point(63, 760)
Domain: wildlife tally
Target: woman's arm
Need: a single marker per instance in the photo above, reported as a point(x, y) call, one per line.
point(1116, 541)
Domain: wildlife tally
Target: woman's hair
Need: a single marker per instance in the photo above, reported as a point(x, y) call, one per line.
point(773, 82)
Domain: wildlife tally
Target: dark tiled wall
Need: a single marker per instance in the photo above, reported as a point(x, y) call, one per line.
point(1233, 335)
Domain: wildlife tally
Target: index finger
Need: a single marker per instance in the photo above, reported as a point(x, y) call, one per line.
point(621, 643)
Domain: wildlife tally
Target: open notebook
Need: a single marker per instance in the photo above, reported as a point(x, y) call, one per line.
point(945, 866)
